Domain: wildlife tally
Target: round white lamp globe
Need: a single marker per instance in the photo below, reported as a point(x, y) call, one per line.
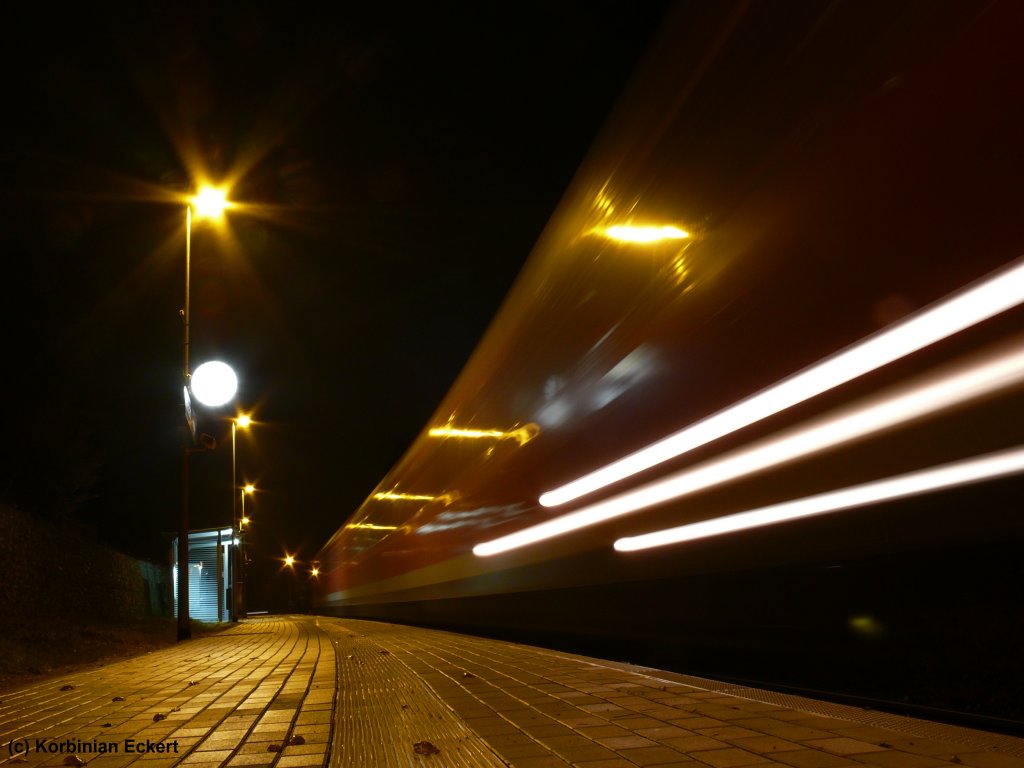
point(214, 383)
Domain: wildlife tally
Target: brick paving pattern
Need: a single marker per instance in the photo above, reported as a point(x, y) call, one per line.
point(312, 692)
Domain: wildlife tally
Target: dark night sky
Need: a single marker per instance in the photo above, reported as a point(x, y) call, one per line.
point(402, 161)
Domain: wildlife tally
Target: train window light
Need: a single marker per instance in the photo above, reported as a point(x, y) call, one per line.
point(645, 234)
point(973, 470)
point(970, 306)
point(997, 371)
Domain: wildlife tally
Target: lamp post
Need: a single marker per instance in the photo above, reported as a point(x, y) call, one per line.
point(243, 421)
point(238, 571)
point(207, 203)
point(248, 488)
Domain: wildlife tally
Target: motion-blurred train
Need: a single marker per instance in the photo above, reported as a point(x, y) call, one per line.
point(755, 405)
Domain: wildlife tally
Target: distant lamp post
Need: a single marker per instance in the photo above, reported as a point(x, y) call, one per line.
point(248, 490)
point(239, 569)
point(237, 580)
point(289, 560)
point(208, 202)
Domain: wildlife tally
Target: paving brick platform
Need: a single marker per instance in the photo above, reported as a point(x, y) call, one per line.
point(305, 691)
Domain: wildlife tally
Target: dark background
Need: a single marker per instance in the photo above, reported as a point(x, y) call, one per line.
point(399, 164)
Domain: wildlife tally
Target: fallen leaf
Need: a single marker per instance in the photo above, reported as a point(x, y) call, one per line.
point(159, 716)
point(67, 687)
point(107, 725)
point(405, 706)
point(468, 674)
point(296, 740)
point(425, 748)
point(118, 698)
point(19, 760)
point(73, 760)
point(192, 682)
point(274, 748)
point(385, 652)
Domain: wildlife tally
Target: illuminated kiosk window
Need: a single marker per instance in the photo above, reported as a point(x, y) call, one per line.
point(210, 585)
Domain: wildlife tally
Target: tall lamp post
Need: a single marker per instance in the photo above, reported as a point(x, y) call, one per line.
point(208, 203)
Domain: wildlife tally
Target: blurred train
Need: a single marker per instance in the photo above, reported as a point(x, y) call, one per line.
point(754, 406)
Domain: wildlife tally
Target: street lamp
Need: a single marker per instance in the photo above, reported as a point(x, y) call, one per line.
point(247, 489)
point(238, 584)
point(214, 383)
point(207, 203)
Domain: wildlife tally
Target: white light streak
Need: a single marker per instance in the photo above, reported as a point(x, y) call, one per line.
point(984, 299)
point(881, 413)
point(914, 483)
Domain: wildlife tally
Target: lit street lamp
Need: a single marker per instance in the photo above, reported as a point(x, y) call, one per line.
point(239, 568)
point(214, 383)
point(250, 488)
point(238, 583)
point(207, 203)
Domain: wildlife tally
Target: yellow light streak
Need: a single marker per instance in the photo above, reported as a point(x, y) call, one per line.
point(393, 496)
point(970, 306)
point(470, 433)
point(373, 527)
point(521, 435)
point(930, 480)
point(883, 412)
point(644, 234)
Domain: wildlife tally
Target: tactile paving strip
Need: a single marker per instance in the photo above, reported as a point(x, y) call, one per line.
point(388, 716)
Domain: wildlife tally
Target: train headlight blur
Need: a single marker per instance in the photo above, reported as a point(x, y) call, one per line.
point(981, 301)
point(911, 484)
point(910, 402)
